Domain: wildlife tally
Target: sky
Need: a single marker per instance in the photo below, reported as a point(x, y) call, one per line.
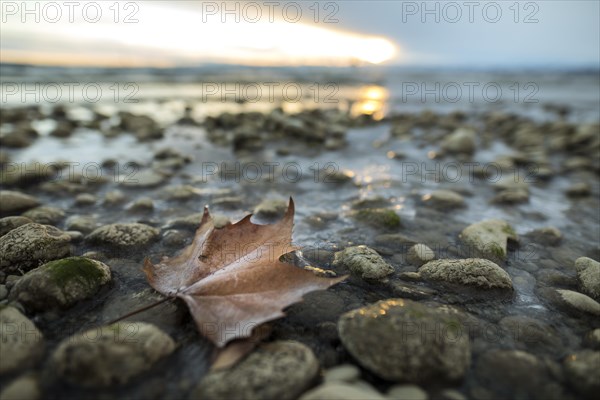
point(554, 33)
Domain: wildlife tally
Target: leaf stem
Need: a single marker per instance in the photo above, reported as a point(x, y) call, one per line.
point(139, 310)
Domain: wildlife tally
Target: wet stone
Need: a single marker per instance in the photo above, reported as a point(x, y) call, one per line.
point(472, 272)
point(279, 370)
point(588, 272)
point(29, 245)
point(511, 196)
point(143, 204)
point(461, 141)
point(271, 208)
point(406, 392)
point(342, 373)
point(364, 262)
point(581, 369)
point(18, 351)
point(114, 198)
point(12, 202)
point(549, 236)
point(45, 215)
point(22, 388)
point(377, 337)
point(124, 236)
point(444, 200)
point(419, 254)
point(143, 179)
point(380, 218)
point(592, 339)
point(85, 199)
point(488, 239)
point(81, 223)
point(581, 189)
point(342, 390)
point(517, 374)
point(579, 302)
point(7, 224)
point(118, 353)
point(60, 284)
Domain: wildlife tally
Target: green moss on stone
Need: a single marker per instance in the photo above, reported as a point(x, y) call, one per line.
point(497, 251)
point(378, 217)
point(509, 231)
point(82, 269)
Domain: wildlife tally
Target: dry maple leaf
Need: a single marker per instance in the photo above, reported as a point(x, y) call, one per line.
point(231, 278)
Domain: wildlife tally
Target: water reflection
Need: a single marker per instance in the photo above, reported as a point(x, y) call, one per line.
point(372, 100)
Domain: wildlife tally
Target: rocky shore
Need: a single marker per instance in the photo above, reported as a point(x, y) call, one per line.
point(471, 242)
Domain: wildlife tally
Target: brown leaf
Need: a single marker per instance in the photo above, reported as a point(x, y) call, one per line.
point(231, 278)
point(237, 349)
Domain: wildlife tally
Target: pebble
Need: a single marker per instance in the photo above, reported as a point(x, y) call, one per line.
point(406, 392)
point(342, 373)
point(336, 176)
point(419, 254)
point(125, 236)
point(579, 301)
point(451, 394)
point(61, 283)
point(81, 223)
point(280, 370)
point(85, 199)
point(588, 272)
point(3, 292)
point(27, 246)
point(511, 374)
point(143, 179)
point(28, 173)
point(116, 354)
point(395, 241)
point(488, 239)
point(180, 192)
point(461, 141)
point(143, 204)
point(531, 334)
point(511, 196)
point(512, 183)
point(271, 208)
point(21, 347)
point(392, 338)
point(381, 218)
point(592, 339)
point(581, 369)
point(364, 262)
point(580, 189)
point(444, 200)
point(45, 215)
point(7, 224)
point(22, 388)
point(114, 197)
point(473, 272)
point(341, 390)
point(174, 238)
point(549, 236)
point(371, 202)
point(12, 202)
